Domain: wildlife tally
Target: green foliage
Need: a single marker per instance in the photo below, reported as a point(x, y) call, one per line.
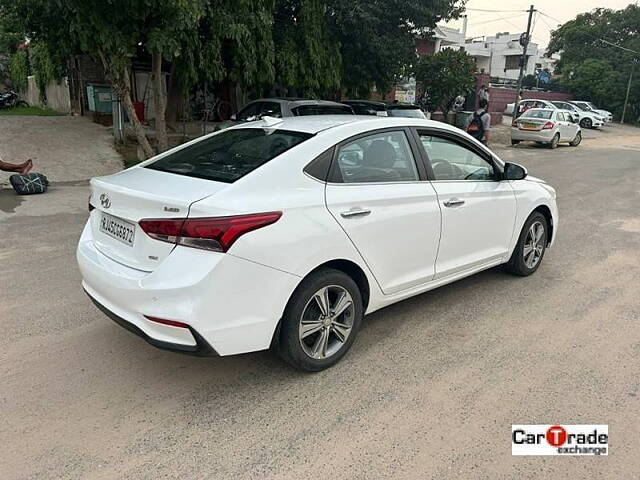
point(444, 76)
point(43, 67)
point(529, 81)
point(19, 70)
point(311, 47)
point(592, 68)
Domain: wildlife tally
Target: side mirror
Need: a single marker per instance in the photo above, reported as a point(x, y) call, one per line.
point(513, 171)
point(233, 117)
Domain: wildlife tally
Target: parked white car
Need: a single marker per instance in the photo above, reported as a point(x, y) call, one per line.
point(586, 118)
point(547, 126)
point(284, 233)
point(606, 115)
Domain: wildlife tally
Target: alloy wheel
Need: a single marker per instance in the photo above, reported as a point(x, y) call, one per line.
point(326, 322)
point(534, 245)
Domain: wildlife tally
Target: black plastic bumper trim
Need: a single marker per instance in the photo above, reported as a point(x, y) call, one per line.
point(200, 349)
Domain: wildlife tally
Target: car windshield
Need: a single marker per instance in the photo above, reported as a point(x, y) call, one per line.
point(405, 112)
point(583, 106)
point(230, 154)
point(546, 114)
point(304, 110)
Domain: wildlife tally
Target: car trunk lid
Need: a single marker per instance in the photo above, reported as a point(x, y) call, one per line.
point(122, 200)
point(536, 124)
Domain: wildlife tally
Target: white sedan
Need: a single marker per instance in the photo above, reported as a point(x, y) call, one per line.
point(546, 126)
point(284, 233)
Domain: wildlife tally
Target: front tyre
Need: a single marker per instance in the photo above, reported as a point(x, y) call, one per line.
point(586, 123)
point(532, 244)
point(321, 320)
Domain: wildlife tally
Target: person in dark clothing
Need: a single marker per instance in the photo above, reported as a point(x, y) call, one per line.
point(479, 124)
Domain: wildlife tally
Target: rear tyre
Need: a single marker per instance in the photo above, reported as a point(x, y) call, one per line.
point(21, 103)
point(576, 141)
point(515, 142)
point(586, 123)
point(532, 243)
point(554, 142)
point(321, 320)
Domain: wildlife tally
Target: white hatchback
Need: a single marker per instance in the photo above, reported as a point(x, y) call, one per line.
point(284, 233)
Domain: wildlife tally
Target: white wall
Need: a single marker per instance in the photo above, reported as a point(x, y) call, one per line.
point(58, 97)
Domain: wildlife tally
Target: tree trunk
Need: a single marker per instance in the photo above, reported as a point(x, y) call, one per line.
point(175, 100)
point(122, 85)
point(159, 102)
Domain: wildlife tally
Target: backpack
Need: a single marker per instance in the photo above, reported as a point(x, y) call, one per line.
point(476, 127)
point(28, 183)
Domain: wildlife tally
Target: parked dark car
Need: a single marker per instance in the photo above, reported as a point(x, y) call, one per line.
point(382, 109)
point(285, 107)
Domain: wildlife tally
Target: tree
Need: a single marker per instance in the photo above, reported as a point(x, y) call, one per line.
point(377, 39)
point(591, 65)
point(444, 76)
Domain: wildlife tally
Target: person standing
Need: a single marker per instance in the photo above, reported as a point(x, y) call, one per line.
point(483, 93)
point(479, 124)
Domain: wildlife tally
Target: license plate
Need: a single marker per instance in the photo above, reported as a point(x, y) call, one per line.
point(528, 126)
point(117, 228)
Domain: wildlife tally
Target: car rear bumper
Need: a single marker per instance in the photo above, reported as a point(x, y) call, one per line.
point(231, 305)
point(201, 348)
point(532, 135)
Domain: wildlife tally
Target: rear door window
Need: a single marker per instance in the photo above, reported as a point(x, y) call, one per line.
point(230, 154)
point(381, 157)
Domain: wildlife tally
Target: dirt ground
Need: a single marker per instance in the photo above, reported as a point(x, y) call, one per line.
point(65, 148)
point(429, 391)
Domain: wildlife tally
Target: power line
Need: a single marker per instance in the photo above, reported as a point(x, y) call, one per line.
point(494, 20)
point(492, 11)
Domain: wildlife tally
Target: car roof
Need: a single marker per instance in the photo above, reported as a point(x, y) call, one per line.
point(403, 106)
point(317, 123)
point(296, 102)
point(365, 102)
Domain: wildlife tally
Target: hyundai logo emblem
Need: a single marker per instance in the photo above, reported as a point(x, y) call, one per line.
point(105, 201)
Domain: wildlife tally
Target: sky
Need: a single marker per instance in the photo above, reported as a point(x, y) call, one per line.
point(507, 20)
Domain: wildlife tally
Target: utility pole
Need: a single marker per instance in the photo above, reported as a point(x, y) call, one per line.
point(626, 100)
point(523, 60)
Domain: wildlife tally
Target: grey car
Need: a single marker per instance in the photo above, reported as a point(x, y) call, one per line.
point(285, 107)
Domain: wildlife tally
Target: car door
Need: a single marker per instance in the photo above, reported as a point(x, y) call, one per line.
point(383, 201)
point(478, 209)
point(567, 127)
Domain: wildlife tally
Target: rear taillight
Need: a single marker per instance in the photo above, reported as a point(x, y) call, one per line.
point(209, 233)
point(548, 126)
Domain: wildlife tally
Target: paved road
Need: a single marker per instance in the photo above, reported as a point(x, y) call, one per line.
point(429, 390)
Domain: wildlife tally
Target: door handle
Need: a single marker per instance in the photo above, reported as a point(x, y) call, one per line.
point(453, 202)
point(355, 212)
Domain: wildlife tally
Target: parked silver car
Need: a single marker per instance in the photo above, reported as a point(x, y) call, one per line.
point(546, 126)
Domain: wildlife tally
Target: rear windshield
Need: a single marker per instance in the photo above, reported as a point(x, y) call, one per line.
point(229, 155)
point(406, 112)
point(546, 114)
point(304, 110)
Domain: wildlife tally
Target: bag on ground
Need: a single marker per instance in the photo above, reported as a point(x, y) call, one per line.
point(29, 183)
